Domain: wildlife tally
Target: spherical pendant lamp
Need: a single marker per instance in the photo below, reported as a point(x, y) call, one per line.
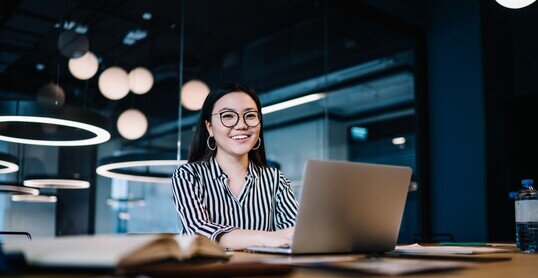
point(140, 80)
point(114, 83)
point(193, 94)
point(84, 67)
point(132, 124)
point(51, 95)
point(515, 4)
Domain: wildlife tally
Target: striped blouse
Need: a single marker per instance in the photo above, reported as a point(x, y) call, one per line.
point(206, 205)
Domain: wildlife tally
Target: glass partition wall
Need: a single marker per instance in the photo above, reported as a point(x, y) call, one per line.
point(356, 71)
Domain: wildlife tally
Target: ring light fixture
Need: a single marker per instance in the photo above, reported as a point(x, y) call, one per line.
point(58, 183)
point(34, 198)
point(8, 164)
point(129, 202)
point(9, 188)
point(119, 167)
point(72, 126)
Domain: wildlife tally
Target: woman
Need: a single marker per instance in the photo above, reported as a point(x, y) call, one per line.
point(226, 192)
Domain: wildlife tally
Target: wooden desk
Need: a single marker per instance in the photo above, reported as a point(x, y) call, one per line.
point(520, 265)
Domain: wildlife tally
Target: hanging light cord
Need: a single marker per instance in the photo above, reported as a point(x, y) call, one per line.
point(180, 72)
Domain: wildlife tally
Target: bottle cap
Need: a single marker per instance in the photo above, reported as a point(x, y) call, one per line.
point(527, 183)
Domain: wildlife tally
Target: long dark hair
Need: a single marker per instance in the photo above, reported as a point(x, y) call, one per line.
point(199, 150)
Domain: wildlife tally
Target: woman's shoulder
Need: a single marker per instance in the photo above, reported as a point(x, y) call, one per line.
point(266, 170)
point(193, 168)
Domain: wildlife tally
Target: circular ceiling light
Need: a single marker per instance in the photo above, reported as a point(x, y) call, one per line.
point(72, 44)
point(140, 80)
point(114, 83)
point(34, 198)
point(129, 202)
point(120, 167)
point(8, 164)
point(57, 183)
point(132, 124)
point(193, 94)
point(515, 4)
point(51, 95)
point(9, 188)
point(74, 126)
point(84, 67)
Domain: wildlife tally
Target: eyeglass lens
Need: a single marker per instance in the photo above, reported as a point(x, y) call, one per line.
point(231, 118)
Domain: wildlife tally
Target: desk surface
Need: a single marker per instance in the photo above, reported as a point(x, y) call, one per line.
point(520, 265)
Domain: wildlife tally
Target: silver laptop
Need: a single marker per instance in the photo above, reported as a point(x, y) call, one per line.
point(348, 207)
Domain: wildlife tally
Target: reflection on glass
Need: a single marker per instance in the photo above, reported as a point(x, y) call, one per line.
point(334, 84)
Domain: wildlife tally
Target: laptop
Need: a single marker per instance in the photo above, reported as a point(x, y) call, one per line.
point(348, 207)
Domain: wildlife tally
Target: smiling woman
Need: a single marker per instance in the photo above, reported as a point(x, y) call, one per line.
point(227, 192)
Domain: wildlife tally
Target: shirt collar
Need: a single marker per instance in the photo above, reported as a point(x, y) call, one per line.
point(216, 171)
point(252, 170)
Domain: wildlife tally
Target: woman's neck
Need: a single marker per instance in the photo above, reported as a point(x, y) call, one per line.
point(232, 165)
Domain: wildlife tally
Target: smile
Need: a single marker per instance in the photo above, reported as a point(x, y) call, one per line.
point(241, 136)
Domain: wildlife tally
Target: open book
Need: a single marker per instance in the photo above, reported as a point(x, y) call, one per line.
point(114, 251)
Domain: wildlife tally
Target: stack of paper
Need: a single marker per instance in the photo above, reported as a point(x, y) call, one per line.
point(442, 250)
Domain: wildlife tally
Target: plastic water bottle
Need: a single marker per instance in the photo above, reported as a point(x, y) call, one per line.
point(527, 218)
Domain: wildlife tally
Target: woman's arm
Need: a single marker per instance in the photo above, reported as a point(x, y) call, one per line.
point(190, 207)
point(241, 239)
point(285, 215)
point(286, 205)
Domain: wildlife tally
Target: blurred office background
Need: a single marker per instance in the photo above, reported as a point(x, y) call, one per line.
point(445, 87)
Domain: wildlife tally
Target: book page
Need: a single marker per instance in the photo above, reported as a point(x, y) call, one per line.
point(192, 246)
point(104, 251)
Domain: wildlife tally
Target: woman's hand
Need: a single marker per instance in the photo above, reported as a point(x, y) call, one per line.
point(241, 239)
point(278, 238)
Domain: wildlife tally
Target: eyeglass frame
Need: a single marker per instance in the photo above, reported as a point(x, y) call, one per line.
point(242, 116)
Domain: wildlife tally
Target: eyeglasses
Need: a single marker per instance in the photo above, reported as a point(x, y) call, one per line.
point(231, 118)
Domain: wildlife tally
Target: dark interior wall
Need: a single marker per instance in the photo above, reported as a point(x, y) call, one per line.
point(523, 25)
point(411, 11)
point(524, 98)
point(498, 58)
point(511, 97)
point(456, 112)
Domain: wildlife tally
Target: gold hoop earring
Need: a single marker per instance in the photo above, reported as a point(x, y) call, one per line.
point(259, 144)
point(209, 145)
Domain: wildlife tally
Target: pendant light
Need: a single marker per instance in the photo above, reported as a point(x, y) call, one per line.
point(34, 198)
point(8, 164)
point(124, 167)
point(193, 94)
point(15, 187)
point(132, 124)
point(56, 182)
point(515, 4)
point(84, 67)
point(12, 188)
point(140, 80)
point(114, 83)
point(23, 123)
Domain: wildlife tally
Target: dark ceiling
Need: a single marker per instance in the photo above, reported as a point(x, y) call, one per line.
point(264, 44)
